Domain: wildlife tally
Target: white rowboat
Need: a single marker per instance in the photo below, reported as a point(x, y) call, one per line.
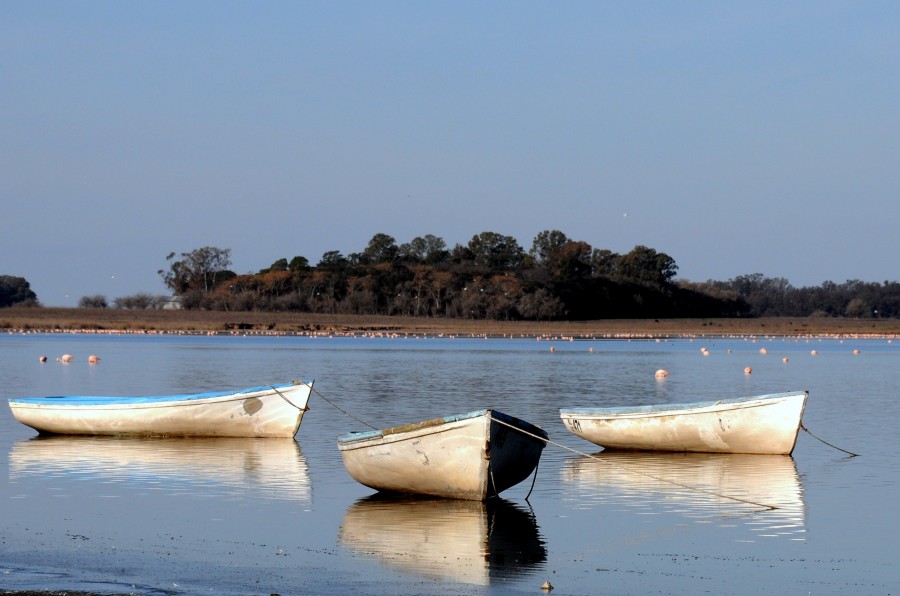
point(765, 424)
point(269, 411)
point(471, 456)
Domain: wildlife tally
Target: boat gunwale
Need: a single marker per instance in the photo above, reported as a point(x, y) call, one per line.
point(90, 402)
point(680, 409)
point(395, 431)
point(352, 440)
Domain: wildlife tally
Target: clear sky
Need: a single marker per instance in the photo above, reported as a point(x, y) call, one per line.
point(736, 137)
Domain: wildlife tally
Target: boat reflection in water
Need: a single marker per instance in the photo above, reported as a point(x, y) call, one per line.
point(471, 542)
point(267, 467)
point(762, 492)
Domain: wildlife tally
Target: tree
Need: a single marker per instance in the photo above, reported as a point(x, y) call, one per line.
point(96, 301)
point(564, 258)
point(646, 265)
point(546, 247)
point(858, 308)
point(496, 252)
point(298, 264)
point(429, 250)
point(333, 260)
point(15, 290)
point(200, 270)
point(604, 262)
point(279, 265)
point(382, 248)
point(140, 301)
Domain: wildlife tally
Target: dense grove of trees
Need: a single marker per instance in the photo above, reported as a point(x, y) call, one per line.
point(776, 297)
point(15, 290)
point(490, 277)
point(493, 277)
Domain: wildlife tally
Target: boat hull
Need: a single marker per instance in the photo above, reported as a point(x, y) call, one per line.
point(270, 411)
point(767, 424)
point(473, 456)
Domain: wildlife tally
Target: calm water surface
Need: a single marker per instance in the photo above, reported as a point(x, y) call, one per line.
point(248, 516)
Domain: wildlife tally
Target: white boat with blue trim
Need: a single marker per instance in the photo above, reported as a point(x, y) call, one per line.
point(267, 411)
point(764, 424)
point(473, 456)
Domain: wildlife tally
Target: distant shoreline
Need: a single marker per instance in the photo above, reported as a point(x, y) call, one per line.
point(88, 320)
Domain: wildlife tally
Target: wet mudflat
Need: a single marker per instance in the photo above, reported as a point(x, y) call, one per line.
point(247, 516)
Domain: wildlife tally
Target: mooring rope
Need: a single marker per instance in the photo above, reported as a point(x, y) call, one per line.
point(548, 441)
point(628, 469)
point(533, 479)
point(284, 397)
point(850, 453)
point(341, 410)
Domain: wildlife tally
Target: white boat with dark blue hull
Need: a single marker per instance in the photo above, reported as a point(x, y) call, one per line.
point(473, 456)
point(267, 411)
point(765, 424)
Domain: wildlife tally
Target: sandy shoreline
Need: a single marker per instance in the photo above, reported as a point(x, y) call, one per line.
point(61, 320)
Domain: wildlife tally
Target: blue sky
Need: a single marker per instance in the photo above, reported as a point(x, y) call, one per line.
point(738, 137)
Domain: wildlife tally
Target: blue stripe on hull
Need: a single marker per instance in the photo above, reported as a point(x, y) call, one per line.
point(88, 400)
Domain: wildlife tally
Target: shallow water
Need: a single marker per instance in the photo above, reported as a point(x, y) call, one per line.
point(246, 516)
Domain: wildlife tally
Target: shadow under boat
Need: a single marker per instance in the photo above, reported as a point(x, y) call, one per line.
point(696, 485)
point(269, 467)
point(471, 542)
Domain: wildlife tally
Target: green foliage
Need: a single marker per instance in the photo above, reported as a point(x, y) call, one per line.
point(333, 260)
point(381, 249)
point(496, 252)
point(197, 271)
point(16, 291)
point(491, 277)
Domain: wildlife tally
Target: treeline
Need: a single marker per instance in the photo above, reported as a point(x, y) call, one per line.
point(493, 277)
point(490, 277)
point(776, 297)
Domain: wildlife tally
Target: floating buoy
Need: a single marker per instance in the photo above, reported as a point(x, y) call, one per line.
point(93, 359)
point(662, 373)
point(748, 370)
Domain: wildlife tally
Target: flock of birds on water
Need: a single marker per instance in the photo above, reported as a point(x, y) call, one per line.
point(659, 374)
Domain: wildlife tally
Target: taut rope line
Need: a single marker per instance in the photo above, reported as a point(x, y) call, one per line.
point(533, 479)
point(627, 469)
point(341, 410)
point(282, 395)
point(850, 453)
point(608, 463)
